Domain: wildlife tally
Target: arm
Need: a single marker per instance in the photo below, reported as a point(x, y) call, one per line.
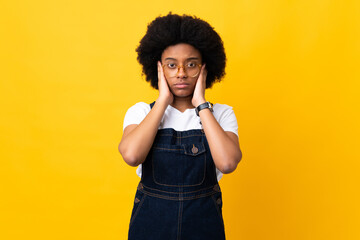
point(224, 146)
point(138, 139)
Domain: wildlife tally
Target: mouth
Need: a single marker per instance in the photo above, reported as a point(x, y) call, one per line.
point(181, 85)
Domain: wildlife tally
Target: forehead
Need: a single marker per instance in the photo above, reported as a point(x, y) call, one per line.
point(181, 51)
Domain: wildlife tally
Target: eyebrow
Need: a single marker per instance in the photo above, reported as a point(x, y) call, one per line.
point(191, 58)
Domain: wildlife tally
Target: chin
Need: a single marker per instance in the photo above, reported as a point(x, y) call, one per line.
point(183, 95)
point(183, 92)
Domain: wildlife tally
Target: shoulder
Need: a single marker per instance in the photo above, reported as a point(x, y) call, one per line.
point(221, 110)
point(136, 113)
point(140, 106)
point(221, 107)
point(225, 116)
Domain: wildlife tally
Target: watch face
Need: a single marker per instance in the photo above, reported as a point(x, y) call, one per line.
point(210, 106)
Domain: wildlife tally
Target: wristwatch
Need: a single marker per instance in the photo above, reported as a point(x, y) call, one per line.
point(203, 106)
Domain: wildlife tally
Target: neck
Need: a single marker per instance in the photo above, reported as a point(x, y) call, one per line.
point(182, 103)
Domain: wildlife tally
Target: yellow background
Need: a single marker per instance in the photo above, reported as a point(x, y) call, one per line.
point(68, 74)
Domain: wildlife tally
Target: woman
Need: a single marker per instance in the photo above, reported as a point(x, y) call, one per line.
point(181, 143)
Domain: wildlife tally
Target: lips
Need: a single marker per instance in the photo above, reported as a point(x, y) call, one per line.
point(181, 85)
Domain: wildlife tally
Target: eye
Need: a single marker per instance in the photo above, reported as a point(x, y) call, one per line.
point(191, 65)
point(171, 65)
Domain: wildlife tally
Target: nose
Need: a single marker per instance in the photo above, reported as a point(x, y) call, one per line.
point(181, 72)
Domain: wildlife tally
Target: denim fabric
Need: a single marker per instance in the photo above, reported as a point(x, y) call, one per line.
point(178, 196)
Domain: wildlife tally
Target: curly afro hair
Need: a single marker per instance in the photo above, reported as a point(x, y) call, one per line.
point(173, 29)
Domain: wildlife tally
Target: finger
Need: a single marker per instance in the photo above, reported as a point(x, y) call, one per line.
point(159, 69)
point(203, 66)
point(202, 69)
point(159, 66)
point(203, 73)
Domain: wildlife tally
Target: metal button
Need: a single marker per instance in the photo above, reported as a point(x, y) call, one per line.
point(218, 201)
point(137, 200)
point(194, 149)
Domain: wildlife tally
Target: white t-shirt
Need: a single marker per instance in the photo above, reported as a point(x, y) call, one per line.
point(182, 121)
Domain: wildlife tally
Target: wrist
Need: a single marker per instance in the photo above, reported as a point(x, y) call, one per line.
point(165, 99)
point(203, 106)
point(199, 102)
point(164, 102)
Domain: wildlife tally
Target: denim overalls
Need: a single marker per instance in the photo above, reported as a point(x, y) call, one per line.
point(178, 196)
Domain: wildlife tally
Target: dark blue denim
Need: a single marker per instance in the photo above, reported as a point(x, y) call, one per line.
point(178, 196)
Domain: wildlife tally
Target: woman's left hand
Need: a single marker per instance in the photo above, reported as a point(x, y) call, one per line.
point(199, 91)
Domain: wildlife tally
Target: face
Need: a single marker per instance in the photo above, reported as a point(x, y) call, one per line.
point(181, 84)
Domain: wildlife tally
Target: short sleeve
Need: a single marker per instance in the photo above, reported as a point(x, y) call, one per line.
point(136, 114)
point(225, 116)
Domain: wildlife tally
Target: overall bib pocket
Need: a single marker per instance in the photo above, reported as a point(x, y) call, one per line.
point(179, 165)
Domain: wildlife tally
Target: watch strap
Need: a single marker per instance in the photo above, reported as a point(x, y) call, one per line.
point(203, 106)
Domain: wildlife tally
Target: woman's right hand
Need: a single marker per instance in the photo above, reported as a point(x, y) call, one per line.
point(165, 94)
point(137, 139)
